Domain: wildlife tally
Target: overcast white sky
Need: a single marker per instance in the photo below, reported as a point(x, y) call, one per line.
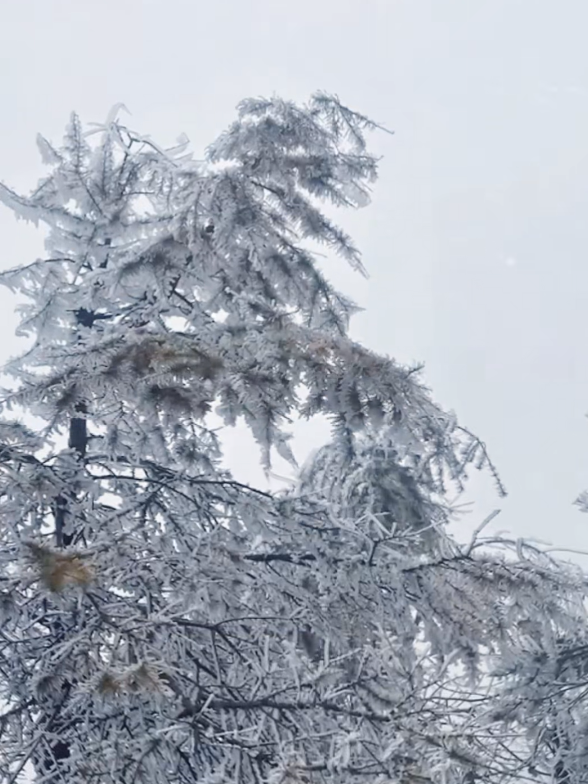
point(477, 238)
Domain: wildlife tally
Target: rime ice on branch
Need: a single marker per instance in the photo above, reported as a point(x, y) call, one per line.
point(162, 621)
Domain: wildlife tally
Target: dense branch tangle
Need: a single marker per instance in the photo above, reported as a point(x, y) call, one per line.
point(162, 621)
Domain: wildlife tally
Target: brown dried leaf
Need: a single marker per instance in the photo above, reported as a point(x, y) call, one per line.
point(109, 685)
point(58, 570)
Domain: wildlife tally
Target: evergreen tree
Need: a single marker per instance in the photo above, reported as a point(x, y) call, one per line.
point(162, 621)
point(545, 689)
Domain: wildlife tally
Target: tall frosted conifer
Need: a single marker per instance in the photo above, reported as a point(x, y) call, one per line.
point(162, 622)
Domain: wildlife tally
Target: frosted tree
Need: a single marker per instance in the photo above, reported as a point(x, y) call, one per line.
point(162, 621)
point(544, 686)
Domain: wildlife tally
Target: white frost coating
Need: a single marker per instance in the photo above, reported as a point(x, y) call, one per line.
point(162, 622)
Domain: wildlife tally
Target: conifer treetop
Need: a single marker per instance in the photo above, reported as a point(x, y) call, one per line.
point(193, 286)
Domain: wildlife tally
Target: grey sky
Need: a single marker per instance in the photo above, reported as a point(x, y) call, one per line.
point(477, 237)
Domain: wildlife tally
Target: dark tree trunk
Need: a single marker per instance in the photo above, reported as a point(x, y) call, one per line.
point(49, 763)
